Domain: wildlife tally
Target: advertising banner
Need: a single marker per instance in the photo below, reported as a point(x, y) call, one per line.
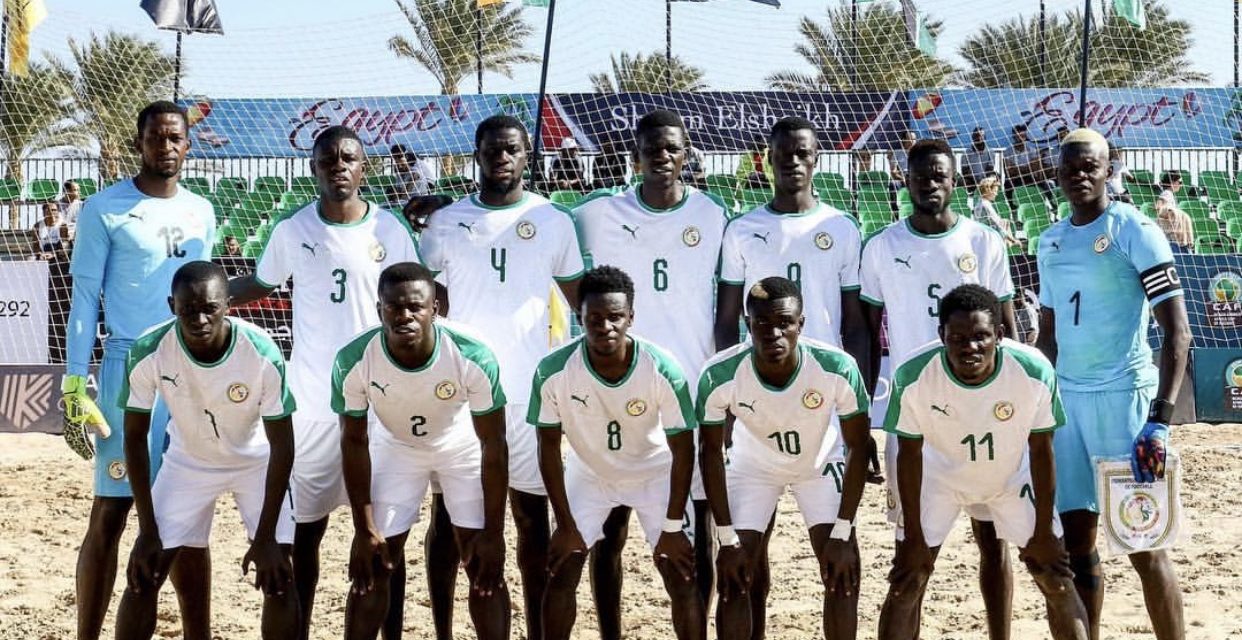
point(24, 317)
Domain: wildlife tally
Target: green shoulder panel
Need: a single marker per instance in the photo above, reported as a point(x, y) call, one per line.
point(346, 359)
point(549, 366)
point(905, 376)
point(842, 364)
point(716, 374)
point(144, 347)
point(484, 358)
point(671, 371)
point(1038, 367)
point(408, 229)
point(267, 349)
point(586, 257)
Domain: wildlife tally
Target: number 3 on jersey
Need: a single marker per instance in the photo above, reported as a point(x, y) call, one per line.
point(339, 276)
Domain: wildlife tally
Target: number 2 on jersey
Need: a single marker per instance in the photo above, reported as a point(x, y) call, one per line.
point(339, 276)
point(172, 241)
point(416, 425)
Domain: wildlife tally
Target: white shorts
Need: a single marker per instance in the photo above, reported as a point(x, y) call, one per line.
point(318, 481)
point(1012, 511)
point(184, 499)
point(591, 500)
point(893, 498)
point(753, 495)
point(523, 451)
point(399, 480)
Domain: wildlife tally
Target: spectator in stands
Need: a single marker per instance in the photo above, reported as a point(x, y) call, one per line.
point(1026, 316)
point(232, 248)
point(753, 170)
point(50, 235)
point(70, 203)
point(411, 179)
point(611, 166)
point(1023, 163)
point(568, 170)
point(862, 160)
point(1170, 185)
point(1116, 184)
point(1176, 223)
point(985, 210)
point(898, 159)
point(694, 170)
point(979, 162)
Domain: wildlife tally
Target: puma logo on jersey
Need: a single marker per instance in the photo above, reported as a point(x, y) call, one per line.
point(744, 405)
point(633, 231)
point(310, 248)
point(468, 227)
point(173, 380)
point(382, 389)
point(905, 261)
point(763, 237)
point(137, 216)
point(211, 416)
point(583, 399)
point(1056, 246)
point(941, 410)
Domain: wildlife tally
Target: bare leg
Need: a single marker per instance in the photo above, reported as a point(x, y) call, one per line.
point(689, 617)
point(490, 614)
point(191, 578)
point(760, 585)
point(840, 610)
point(96, 571)
point(306, 539)
point(560, 601)
point(1161, 593)
point(530, 516)
point(606, 574)
point(735, 610)
point(900, 616)
point(135, 617)
point(280, 611)
point(995, 578)
point(366, 612)
point(1080, 526)
point(1067, 617)
point(442, 558)
point(394, 622)
point(704, 553)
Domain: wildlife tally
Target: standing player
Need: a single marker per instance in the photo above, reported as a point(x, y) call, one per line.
point(624, 406)
point(334, 249)
point(906, 269)
point(220, 377)
point(784, 392)
point(436, 391)
point(668, 234)
point(498, 251)
point(1103, 272)
point(131, 238)
point(975, 418)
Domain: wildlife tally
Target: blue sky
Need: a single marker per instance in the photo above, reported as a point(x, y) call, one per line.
point(309, 48)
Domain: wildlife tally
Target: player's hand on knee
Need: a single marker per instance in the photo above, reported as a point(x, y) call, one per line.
point(840, 568)
point(143, 572)
point(912, 564)
point(81, 417)
point(566, 541)
point(486, 554)
point(1148, 454)
point(675, 550)
point(273, 572)
point(368, 550)
point(733, 571)
point(1045, 553)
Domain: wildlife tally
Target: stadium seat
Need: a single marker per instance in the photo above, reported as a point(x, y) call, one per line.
point(1204, 227)
point(1148, 209)
point(903, 197)
point(230, 229)
point(1028, 195)
point(566, 198)
point(960, 200)
point(1033, 211)
point(291, 200)
point(1035, 226)
point(1213, 245)
point(42, 190)
point(10, 190)
point(836, 197)
point(905, 210)
point(1003, 210)
point(197, 184)
point(875, 211)
point(1063, 210)
point(753, 198)
point(274, 185)
point(720, 183)
point(1196, 210)
point(874, 194)
point(1140, 178)
point(1142, 197)
point(872, 227)
point(228, 194)
point(1233, 229)
point(1032, 245)
point(455, 183)
point(1218, 186)
point(252, 249)
point(1015, 249)
point(87, 187)
point(1230, 210)
point(827, 180)
point(305, 185)
point(382, 183)
point(235, 183)
point(872, 178)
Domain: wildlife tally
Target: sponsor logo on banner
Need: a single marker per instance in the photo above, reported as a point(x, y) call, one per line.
point(1233, 386)
point(24, 398)
point(1224, 300)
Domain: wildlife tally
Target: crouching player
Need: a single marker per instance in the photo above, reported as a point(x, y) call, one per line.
point(219, 377)
point(974, 418)
point(783, 392)
point(436, 391)
point(624, 406)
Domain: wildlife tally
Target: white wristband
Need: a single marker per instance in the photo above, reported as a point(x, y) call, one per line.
point(841, 529)
point(727, 537)
point(671, 526)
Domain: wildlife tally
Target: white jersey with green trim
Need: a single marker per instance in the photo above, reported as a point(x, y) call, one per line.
point(617, 432)
point(673, 257)
point(335, 270)
point(907, 272)
point(818, 249)
point(215, 409)
point(427, 409)
point(786, 432)
point(975, 437)
point(499, 264)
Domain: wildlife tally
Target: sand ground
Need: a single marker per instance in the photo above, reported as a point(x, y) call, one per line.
point(45, 498)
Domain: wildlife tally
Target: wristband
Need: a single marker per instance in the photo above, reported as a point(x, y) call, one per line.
point(841, 529)
point(1161, 411)
point(72, 384)
point(671, 526)
point(727, 537)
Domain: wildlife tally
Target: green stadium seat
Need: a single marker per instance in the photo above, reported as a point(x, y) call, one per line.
point(252, 249)
point(1032, 245)
point(1196, 210)
point(905, 211)
point(873, 179)
point(1213, 245)
point(455, 183)
point(305, 185)
point(42, 190)
point(382, 183)
point(291, 200)
point(10, 190)
point(231, 228)
point(1031, 211)
point(1063, 210)
point(839, 198)
point(1142, 197)
point(875, 211)
point(228, 195)
point(1148, 209)
point(1028, 195)
point(87, 187)
point(720, 183)
point(903, 197)
point(874, 194)
point(269, 184)
point(233, 183)
point(1217, 185)
point(1141, 178)
point(1034, 227)
point(872, 227)
point(566, 198)
point(1003, 210)
point(828, 180)
point(959, 201)
point(753, 198)
point(1016, 249)
point(196, 184)
point(1233, 229)
point(1204, 227)
point(1231, 210)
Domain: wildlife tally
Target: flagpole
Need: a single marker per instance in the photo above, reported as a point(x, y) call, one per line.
point(853, 45)
point(478, 44)
point(177, 71)
point(1043, 44)
point(668, 45)
point(1086, 56)
point(537, 171)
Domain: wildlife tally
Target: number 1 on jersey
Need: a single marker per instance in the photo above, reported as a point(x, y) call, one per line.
point(973, 443)
point(1077, 300)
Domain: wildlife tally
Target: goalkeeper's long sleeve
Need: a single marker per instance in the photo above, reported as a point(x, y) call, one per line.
point(90, 259)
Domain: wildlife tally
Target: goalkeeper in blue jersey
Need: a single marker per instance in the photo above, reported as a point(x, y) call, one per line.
point(1103, 272)
point(131, 238)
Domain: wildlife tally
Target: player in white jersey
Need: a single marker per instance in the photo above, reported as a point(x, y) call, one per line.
point(334, 249)
point(668, 235)
point(906, 269)
point(435, 392)
point(975, 415)
point(784, 392)
point(624, 406)
point(498, 251)
point(220, 378)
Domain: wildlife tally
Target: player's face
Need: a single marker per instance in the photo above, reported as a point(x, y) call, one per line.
point(200, 308)
point(407, 310)
point(606, 318)
point(1083, 173)
point(501, 157)
point(162, 144)
point(930, 181)
point(970, 345)
point(661, 154)
point(793, 160)
point(774, 327)
point(338, 169)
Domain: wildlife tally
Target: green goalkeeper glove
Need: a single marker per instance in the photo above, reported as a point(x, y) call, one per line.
point(81, 416)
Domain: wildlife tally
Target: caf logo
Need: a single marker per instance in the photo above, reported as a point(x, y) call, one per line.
point(446, 390)
point(691, 236)
point(238, 392)
point(378, 253)
point(636, 407)
point(1233, 374)
point(812, 399)
point(823, 240)
point(1226, 286)
point(1139, 512)
point(525, 230)
point(1101, 243)
point(967, 263)
point(116, 470)
point(1003, 410)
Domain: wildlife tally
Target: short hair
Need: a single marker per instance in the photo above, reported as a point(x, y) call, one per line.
point(333, 135)
point(790, 124)
point(400, 272)
point(1169, 177)
point(499, 122)
point(606, 279)
point(160, 107)
point(656, 119)
point(990, 183)
point(927, 148)
point(773, 288)
point(970, 298)
point(66, 184)
point(198, 271)
point(230, 236)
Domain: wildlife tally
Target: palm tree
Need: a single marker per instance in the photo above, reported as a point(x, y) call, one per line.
point(116, 76)
point(36, 115)
point(445, 34)
point(873, 53)
point(1006, 55)
point(655, 73)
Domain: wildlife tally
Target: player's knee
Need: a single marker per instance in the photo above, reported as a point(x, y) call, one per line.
point(1154, 564)
point(1086, 568)
point(1049, 581)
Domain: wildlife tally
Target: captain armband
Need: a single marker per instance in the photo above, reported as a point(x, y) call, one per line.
point(1160, 280)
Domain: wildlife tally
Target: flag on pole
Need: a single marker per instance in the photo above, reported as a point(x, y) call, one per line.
point(186, 16)
point(24, 16)
point(1131, 10)
point(916, 27)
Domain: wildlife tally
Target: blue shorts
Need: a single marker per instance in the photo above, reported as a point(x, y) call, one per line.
point(111, 474)
point(1097, 424)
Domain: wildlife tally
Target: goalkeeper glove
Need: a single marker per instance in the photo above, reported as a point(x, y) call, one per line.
point(81, 415)
point(1147, 458)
